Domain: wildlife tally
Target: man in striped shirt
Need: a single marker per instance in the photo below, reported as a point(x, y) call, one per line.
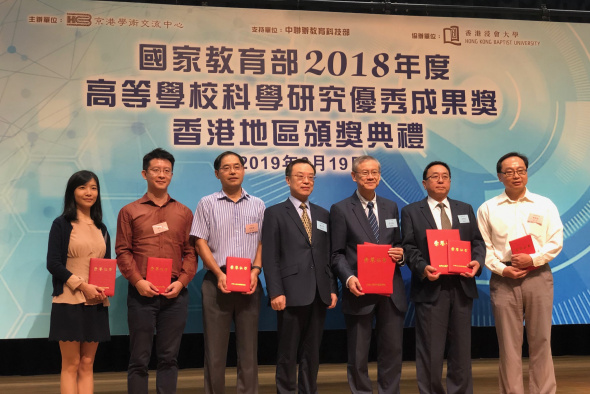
point(229, 224)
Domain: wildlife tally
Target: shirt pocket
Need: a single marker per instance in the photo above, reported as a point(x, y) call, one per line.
point(538, 231)
point(247, 220)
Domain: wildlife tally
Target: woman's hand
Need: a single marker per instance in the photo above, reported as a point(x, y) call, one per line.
point(92, 293)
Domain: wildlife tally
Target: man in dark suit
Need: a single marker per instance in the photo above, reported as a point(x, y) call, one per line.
point(296, 261)
point(366, 217)
point(443, 303)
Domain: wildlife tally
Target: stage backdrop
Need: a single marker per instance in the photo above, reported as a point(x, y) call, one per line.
point(96, 85)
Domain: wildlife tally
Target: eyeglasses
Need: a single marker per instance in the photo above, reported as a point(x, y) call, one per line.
point(364, 174)
point(301, 178)
point(437, 177)
point(512, 173)
point(158, 171)
point(235, 167)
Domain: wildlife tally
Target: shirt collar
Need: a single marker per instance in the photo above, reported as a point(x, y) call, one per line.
point(296, 202)
point(146, 200)
point(528, 196)
point(432, 203)
point(364, 201)
point(221, 195)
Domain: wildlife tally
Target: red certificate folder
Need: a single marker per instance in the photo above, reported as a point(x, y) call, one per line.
point(375, 269)
point(438, 248)
point(102, 274)
point(159, 272)
point(459, 256)
point(523, 245)
point(237, 274)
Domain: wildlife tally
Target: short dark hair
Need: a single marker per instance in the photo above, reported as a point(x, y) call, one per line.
point(157, 153)
point(303, 160)
point(217, 162)
point(435, 163)
point(70, 212)
point(511, 154)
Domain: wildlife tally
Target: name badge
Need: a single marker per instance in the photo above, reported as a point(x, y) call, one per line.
point(322, 226)
point(534, 218)
point(160, 227)
point(390, 223)
point(251, 228)
point(463, 218)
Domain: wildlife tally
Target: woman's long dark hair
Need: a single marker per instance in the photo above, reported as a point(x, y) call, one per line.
point(78, 179)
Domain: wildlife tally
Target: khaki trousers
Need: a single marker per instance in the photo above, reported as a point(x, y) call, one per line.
point(528, 300)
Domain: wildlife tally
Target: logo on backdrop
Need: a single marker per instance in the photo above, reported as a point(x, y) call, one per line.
point(451, 35)
point(78, 19)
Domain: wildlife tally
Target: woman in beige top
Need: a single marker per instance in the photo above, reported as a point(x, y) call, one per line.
point(79, 313)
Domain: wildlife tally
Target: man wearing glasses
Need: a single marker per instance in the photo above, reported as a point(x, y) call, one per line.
point(156, 225)
point(296, 258)
point(366, 217)
point(229, 224)
point(521, 286)
point(443, 302)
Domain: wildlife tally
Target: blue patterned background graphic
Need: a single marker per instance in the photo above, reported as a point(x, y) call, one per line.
point(47, 130)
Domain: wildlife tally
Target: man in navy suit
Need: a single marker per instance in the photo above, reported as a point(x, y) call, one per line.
point(443, 303)
point(300, 284)
point(366, 217)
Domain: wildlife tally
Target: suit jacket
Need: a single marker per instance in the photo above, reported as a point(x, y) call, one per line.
point(416, 219)
point(350, 227)
point(292, 266)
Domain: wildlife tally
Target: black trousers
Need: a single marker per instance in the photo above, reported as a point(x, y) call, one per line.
point(300, 331)
point(446, 321)
point(389, 326)
point(167, 317)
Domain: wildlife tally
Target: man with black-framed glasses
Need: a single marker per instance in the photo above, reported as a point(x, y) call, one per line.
point(521, 286)
point(443, 302)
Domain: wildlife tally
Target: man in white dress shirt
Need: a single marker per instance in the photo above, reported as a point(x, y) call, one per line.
point(521, 286)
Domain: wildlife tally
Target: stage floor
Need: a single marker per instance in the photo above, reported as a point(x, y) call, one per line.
point(572, 373)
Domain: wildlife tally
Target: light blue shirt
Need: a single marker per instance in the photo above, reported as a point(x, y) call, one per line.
point(222, 223)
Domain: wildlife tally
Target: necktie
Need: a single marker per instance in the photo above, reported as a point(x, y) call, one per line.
point(305, 220)
point(373, 220)
point(445, 223)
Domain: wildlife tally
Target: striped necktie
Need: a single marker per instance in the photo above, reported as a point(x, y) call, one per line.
point(373, 220)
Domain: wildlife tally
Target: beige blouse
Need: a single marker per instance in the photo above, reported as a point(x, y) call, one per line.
point(86, 241)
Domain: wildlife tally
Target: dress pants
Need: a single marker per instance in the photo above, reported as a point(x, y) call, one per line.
point(530, 298)
point(389, 325)
point(447, 318)
point(300, 331)
point(168, 318)
point(219, 309)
